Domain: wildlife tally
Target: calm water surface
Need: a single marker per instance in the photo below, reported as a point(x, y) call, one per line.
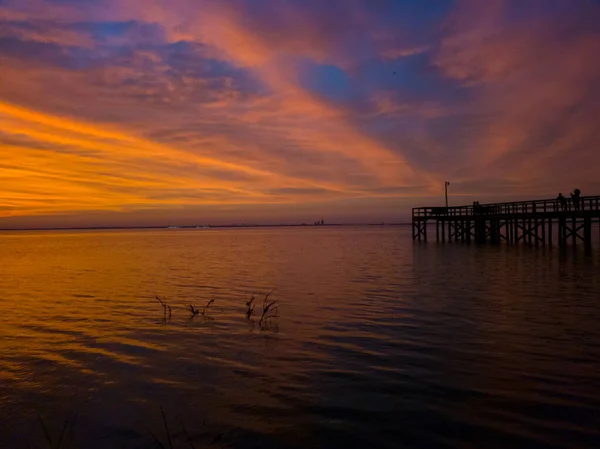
point(380, 342)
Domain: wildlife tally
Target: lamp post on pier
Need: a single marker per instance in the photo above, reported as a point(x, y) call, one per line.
point(446, 184)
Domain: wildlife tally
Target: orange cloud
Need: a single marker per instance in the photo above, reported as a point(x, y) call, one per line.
point(137, 105)
point(247, 170)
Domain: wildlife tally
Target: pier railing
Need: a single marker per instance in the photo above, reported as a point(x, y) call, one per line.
point(585, 203)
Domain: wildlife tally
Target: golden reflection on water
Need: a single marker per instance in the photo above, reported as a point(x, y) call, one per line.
point(374, 331)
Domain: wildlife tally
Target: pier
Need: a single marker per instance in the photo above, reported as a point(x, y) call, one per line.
point(537, 222)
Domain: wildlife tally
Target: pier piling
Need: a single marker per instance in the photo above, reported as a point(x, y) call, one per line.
point(529, 222)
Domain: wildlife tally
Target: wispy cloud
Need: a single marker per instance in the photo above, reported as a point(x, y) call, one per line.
point(130, 106)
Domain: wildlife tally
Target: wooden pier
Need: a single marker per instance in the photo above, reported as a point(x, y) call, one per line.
point(538, 222)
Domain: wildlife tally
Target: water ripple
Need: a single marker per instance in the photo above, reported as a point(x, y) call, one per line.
point(379, 343)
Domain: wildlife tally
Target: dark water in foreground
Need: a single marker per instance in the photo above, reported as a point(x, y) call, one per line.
point(380, 343)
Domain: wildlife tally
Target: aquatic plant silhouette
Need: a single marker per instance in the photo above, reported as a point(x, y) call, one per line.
point(172, 437)
point(207, 306)
point(168, 432)
point(65, 438)
point(250, 305)
point(166, 307)
point(204, 312)
point(270, 310)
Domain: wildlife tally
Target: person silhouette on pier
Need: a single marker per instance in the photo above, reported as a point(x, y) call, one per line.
point(562, 201)
point(575, 197)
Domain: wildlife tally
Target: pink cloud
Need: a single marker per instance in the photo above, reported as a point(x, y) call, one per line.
point(209, 97)
point(536, 84)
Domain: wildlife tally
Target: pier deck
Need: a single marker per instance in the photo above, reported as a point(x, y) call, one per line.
point(536, 222)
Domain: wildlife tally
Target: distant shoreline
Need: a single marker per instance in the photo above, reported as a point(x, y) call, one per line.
point(174, 227)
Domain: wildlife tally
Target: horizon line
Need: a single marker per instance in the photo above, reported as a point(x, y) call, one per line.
point(301, 225)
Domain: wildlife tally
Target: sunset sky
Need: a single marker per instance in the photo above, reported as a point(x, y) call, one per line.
point(156, 112)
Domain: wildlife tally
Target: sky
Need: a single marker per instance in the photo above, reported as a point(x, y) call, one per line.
point(164, 112)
